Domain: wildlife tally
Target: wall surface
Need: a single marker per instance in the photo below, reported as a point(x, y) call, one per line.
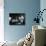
point(29, 7)
point(43, 6)
point(1, 21)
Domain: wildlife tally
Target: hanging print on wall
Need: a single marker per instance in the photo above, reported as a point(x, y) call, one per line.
point(16, 18)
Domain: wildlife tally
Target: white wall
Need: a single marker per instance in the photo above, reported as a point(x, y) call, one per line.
point(43, 6)
point(1, 21)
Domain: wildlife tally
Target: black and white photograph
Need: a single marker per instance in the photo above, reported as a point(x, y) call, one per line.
point(17, 18)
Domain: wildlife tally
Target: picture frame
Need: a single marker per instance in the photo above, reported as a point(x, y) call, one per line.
point(16, 18)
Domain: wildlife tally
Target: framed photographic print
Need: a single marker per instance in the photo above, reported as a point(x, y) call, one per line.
point(16, 18)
